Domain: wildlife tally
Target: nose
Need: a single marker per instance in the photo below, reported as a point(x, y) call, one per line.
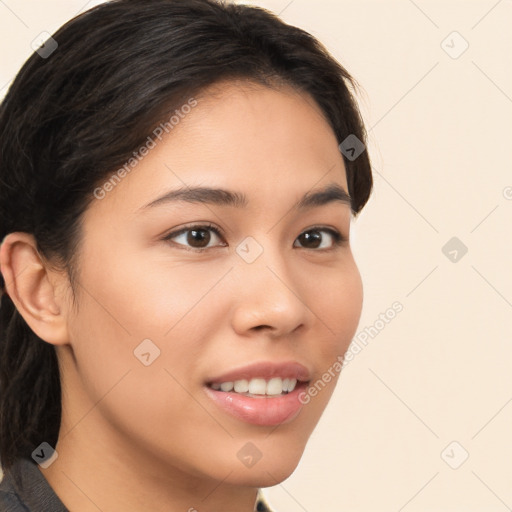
point(268, 298)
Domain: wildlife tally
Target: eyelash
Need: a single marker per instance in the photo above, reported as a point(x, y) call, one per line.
point(338, 238)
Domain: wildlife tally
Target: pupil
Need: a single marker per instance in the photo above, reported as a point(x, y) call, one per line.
point(312, 236)
point(198, 235)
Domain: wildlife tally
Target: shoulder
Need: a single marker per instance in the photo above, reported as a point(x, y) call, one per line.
point(24, 488)
point(9, 499)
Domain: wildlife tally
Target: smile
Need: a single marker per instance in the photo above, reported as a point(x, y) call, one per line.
point(264, 394)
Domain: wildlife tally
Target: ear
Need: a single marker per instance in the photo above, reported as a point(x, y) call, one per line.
point(33, 287)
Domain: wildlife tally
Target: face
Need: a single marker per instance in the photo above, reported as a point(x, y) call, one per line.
point(183, 299)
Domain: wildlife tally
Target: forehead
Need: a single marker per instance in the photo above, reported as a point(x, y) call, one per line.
point(244, 136)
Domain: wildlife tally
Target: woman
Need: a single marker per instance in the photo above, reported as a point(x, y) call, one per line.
point(177, 179)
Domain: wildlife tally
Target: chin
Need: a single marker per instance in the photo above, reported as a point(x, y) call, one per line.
point(261, 477)
point(274, 466)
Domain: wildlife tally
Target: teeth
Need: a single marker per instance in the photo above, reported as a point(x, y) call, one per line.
point(241, 386)
point(275, 386)
point(256, 387)
point(272, 387)
point(226, 386)
point(291, 384)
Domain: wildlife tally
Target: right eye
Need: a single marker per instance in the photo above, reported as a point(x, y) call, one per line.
point(196, 237)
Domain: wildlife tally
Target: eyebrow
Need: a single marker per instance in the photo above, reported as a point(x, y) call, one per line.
point(222, 197)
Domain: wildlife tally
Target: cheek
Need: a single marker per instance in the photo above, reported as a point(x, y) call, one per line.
point(124, 301)
point(144, 402)
point(144, 294)
point(337, 301)
point(337, 305)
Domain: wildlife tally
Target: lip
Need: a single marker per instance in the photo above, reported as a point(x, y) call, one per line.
point(262, 410)
point(264, 370)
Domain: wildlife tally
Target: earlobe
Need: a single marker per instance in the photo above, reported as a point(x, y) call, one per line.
point(31, 287)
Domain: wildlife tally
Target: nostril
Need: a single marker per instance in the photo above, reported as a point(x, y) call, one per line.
point(259, 327)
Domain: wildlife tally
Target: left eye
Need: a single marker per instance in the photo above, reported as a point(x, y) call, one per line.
point(199, 238)
point(313, 238)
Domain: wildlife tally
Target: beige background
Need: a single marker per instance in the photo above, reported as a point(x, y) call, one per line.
point(441, 134)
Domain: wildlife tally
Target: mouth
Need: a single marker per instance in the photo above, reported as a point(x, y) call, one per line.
point(262, 394)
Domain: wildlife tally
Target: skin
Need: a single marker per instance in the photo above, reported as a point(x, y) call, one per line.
point(150, 432)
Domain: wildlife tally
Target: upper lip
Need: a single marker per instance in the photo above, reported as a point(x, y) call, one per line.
point(265, 370)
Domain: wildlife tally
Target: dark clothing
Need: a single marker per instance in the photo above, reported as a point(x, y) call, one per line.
point(25, 489)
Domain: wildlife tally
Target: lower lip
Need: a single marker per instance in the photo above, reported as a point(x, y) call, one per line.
point(265, 411)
